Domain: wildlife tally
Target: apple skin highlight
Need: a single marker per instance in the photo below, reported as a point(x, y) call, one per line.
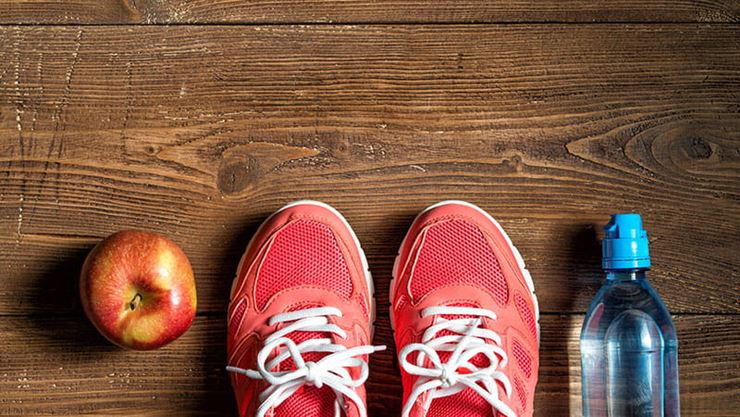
point(138, 290)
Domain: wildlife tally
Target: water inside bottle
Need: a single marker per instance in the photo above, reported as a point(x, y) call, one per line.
point(628, 353)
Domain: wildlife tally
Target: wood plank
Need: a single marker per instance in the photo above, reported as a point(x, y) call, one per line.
point(363, 11)
point(200, 133)
point(61, 366)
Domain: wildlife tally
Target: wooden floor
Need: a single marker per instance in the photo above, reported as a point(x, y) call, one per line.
point(197, 119)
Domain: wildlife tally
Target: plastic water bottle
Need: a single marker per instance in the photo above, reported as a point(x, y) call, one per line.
point(629, 351)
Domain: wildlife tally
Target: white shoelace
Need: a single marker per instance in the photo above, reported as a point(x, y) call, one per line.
point(331, 370)
point(442, 379)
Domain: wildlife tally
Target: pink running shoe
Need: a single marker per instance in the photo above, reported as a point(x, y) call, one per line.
point(300, 318)
point(465, 317)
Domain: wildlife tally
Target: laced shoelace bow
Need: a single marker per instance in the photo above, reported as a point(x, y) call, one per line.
point(332, 370)
point(443, 379)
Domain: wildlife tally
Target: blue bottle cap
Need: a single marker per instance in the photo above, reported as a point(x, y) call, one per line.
point(625, 244)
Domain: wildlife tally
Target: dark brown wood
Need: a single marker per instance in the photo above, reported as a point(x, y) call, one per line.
point(62, 366)
point(199, 133)
point(364, 11)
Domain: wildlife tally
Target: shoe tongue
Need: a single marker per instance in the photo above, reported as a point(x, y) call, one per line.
point(480, 360)
point(320, 402)
point(467, 399)
point(299, 337)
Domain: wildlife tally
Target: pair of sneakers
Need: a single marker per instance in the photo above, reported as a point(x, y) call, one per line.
point(463, 309)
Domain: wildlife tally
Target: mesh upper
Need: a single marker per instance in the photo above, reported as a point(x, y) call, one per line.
point(308, 401)
point(522, 358)
point(466, 403)
point(456, 252)
point(312, 402)
point(525, 312)
point(521, 392)
point(363, 305)
point(303, 253)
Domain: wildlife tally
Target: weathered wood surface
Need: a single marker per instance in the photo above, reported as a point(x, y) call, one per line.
point(62, 366)
point(199, 133)
point(363, 11)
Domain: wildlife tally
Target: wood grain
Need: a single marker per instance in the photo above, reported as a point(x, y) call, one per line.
point(200, 132)
point(88, 376)
point(364, 11)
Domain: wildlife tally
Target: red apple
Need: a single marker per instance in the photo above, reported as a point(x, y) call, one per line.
point(138, 289)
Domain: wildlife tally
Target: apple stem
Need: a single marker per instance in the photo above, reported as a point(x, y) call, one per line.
point(135, 302)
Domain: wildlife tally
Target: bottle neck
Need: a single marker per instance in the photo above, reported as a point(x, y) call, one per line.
point(625, 274)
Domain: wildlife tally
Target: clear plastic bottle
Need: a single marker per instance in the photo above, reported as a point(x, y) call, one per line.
point(629, 350)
